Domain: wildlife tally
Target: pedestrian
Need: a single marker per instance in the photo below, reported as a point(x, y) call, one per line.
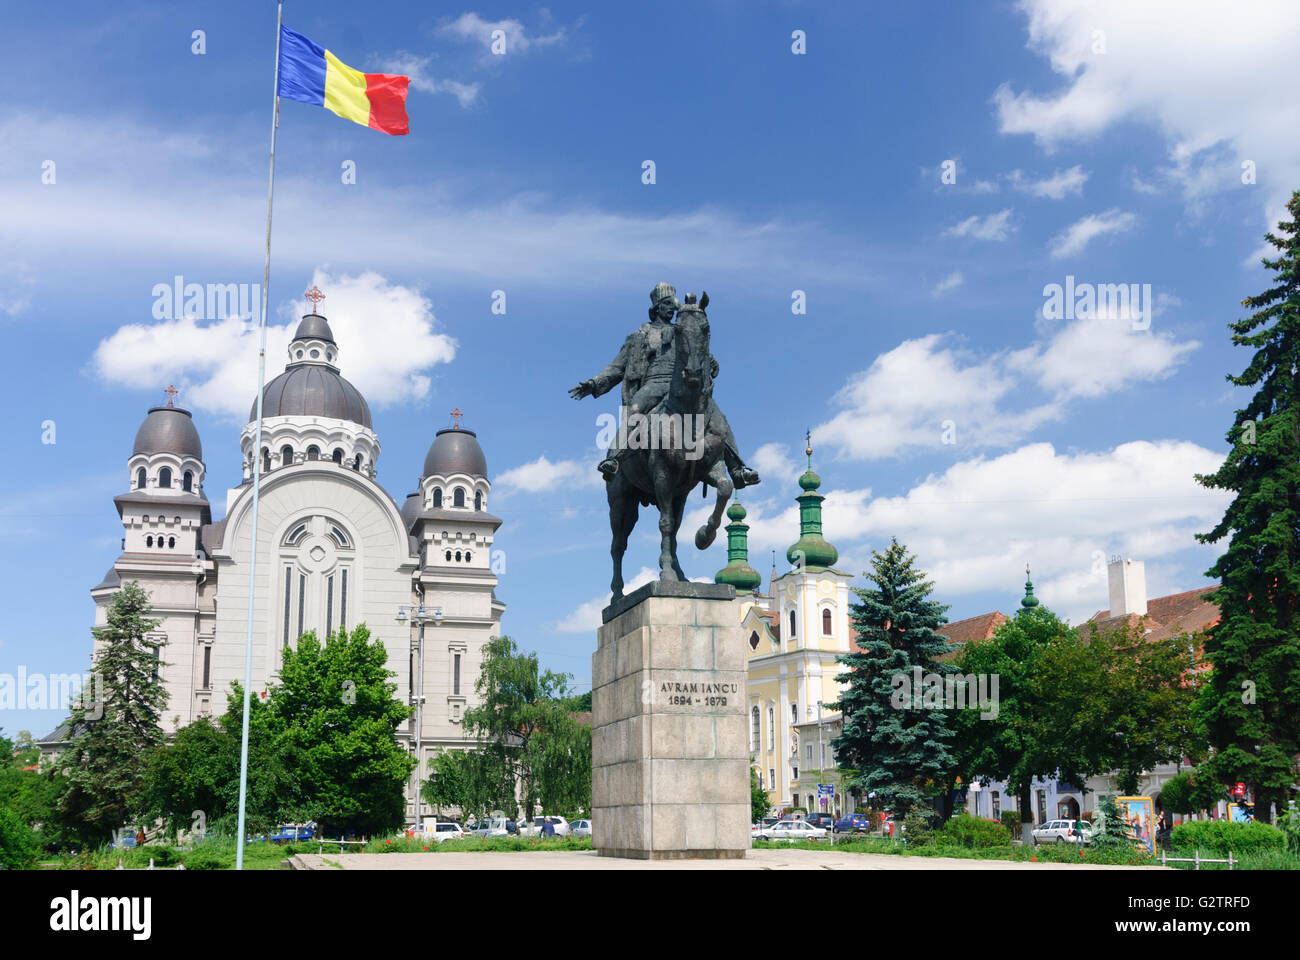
point(548, 828)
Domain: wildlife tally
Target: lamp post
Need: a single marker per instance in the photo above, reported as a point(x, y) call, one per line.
point(419, 615)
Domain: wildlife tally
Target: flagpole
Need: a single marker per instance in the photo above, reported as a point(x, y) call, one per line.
point(257, 457)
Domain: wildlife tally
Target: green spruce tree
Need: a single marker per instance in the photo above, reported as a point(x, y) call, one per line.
point(1250, 708)
point(115, 728)
point(899, 747)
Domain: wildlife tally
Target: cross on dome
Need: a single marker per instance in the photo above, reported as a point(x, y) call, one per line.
point(455, 416)
point(315, 296)
point(171, 392)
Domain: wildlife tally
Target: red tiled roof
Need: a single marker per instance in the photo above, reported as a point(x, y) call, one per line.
point(1186, 612)
point(973, 628)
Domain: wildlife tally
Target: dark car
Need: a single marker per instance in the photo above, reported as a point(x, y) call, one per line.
point(824, 820)
point(853, 823)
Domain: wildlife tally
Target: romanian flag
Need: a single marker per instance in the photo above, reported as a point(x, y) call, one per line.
point(311, 74)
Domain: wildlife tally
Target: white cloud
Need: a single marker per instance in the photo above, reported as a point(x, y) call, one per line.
point(471, 27)
point(950, 282)
point(886, 415)
point(213, 362)
point(586, 618)
point(1079, 234)
point(542, 474)
point(417, 68)
point(1198, 72)
point(1089, 358)
point(995, 226)
point(1057, 186)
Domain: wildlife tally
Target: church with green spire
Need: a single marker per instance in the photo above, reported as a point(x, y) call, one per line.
point(794, 633)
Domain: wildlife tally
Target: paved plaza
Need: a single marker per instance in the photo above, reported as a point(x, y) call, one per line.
point(589, 860)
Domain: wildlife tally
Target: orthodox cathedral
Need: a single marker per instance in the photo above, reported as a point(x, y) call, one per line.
point(334, 549)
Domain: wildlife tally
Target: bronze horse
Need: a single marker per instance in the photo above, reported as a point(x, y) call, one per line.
point(665, 474)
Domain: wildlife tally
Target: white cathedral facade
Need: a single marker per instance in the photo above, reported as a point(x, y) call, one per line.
point(334, 549)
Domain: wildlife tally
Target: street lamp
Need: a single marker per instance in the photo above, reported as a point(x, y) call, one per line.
point(420, 615)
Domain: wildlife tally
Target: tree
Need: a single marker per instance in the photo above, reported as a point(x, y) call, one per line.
point(899, 748)
point(112, 738)
point(758, 802)
point(332, 721)
point(1250, 708)
point(528, 732)
point(1014, 746)
point(449, 782)
point(1115, 700)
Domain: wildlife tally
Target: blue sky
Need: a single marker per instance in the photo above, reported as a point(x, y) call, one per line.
point(1087, 139)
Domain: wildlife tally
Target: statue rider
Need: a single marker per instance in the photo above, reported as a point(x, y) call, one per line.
point(644, 366)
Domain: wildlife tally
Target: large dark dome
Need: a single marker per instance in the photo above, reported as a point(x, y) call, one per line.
point(313, 390)
point(455, 451)
point(168, 430)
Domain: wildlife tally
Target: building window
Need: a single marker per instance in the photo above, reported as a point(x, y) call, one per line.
point(826, 622)
point(771, 727)
point(343, 599)
point(165, 478)
point(997, 805)
point(449, 556)
point(753, 643)
point(187, 482)
point(313, 453)
point(356, 463)
point(286, 455)
point(288, 590)
point(771, 776)
point(794, 775)
point(754, 731)
point(478, 500)
point(171, 543)
point(338, 456)
point(455, 675)
point(792, 623)
point(207, 667)
point(458, 556)
point(437, 497)
point(148, 541)
point(140, 479)
point(302, 601)
point(156, 661)
point(1042, 806)
point(329, 605)
point(467, 556)
point(794, 712)
point(808, 750)
point(458, 497)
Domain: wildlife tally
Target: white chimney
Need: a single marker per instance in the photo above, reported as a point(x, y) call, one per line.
point(1128, 587)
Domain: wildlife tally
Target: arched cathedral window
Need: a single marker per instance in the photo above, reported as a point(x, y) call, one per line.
point(313, 453)
point(458, 498)
point(478, 499)
point(314, 578)
point(338, 456)
point(286, 455)
point(165, 478)
point(792, 623)
point(140, 479)
point(187, 482)
point(827, 630)
point(437, 497)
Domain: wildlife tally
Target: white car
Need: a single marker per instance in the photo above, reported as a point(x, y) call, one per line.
point(792, 831)
point(438, 832)
point(1062, 831)
point(580, 828)
point(491, 827)
point(534, 829)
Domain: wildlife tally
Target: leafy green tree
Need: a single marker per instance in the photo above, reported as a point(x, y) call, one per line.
point(899, 749)
point(758, 802)
point(112, 737)
point(527, 731)
point(1250, 708)
point(1114, 700)
point(332, 721)
point(1014, 747)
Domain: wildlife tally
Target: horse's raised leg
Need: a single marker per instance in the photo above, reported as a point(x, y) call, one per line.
point(622, 518)
point(719, 478)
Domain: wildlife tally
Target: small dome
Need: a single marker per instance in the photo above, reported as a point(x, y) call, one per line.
point(411, 509)
point(736, 511)
point(810, 480)
point(455, 450)
point(315, 327)
point(313, 390)
point(168, 430)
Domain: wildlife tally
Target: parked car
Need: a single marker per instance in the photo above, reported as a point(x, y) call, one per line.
point(792, 831)
point(490, 827)
point(852, 823)
point(580, 828)
point(1062, 831)
point(534, 829)
point(444, 830)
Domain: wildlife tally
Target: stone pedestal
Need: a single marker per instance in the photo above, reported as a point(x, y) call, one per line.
point(670, 737)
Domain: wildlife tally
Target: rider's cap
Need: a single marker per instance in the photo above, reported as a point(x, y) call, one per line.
point(663, 291)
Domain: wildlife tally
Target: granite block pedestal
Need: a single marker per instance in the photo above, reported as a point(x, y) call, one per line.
point(670, 749)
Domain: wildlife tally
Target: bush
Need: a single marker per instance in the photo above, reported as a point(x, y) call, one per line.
point(208, 858)
point(974, 832)
point(19, 843)
point(1221, 836)
point(916, 828)
point(1011, 820)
